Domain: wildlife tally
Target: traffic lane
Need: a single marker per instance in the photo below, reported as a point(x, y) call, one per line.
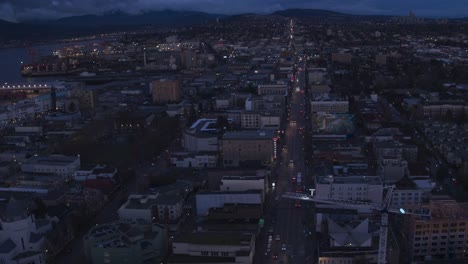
point(294, 240)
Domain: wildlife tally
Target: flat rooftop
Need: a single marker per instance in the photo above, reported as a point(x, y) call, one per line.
point(228, 192)
point(215, 238)
point(243, 178)
point(52, 160)
point(374, 180)
point(250, 134)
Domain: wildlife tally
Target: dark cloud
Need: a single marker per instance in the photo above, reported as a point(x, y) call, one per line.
point(17, 10)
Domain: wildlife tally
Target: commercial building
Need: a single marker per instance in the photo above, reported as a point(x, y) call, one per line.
point(126, 241)
point(243, 183)
point(166, 91)
point(213, 247)
point(207, 200)
point(357, 188)
point(264, 103)
point(329, 105)
point(256, 120)
point(248, 147)
point(441, 237)
point(273, 89)
point(202, 136)
point(194, 160)
point(62, 165)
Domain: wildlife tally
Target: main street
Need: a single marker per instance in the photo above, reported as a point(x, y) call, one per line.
point(290, 238)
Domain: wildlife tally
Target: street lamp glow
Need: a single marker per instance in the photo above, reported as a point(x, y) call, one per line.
point(402, 211)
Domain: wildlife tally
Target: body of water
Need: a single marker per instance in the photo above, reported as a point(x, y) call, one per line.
point(11, 58)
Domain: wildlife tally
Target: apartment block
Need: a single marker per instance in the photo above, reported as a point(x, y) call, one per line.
point(443, 236)
point(166, 91)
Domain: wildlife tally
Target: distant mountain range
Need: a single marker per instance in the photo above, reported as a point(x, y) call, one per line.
point(300, 13)
point(118, 20)
point(88, 24)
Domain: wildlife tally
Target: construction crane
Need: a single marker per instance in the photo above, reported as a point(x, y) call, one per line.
point(382, 208)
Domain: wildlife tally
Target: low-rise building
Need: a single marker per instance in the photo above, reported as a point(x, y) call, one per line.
point(248, 147)
point(57, 164)
point(213, 247)
point(126, 241)
point(194, 160)
point(243, 183)
point(273, 89)
point(257, 120)
point(92, 172)
point(157, 208)
point(392, 169)
point(394, 148)
point(201, 136)
point(356, 188)
point(207, 200)
point(329, 104)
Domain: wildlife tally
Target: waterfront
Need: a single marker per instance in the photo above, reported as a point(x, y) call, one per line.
point(11, 59)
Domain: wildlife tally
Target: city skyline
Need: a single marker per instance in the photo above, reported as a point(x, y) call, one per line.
point(17, 11)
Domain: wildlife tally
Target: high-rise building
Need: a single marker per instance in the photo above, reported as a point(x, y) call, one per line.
point(166, 91)
point(442, 237)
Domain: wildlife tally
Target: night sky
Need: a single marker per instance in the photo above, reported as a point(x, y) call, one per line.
point(18, 10)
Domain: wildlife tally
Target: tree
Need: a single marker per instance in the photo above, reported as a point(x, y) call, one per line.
point(40, 209)
point(442, 172)
point(72, 107)
point(192, 115)
point(222, 123)
point(449, 116)
point(461, 118)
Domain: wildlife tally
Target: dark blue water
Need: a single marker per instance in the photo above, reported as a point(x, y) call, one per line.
point(10, 62)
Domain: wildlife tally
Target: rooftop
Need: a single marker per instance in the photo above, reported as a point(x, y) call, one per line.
point(243, 178)
point(448, 209)
point(180, 258)
point(123, 233)
point(52, 160)
point(374, 180)
point(250, 134)
point(215, 238)
point(229, 192)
